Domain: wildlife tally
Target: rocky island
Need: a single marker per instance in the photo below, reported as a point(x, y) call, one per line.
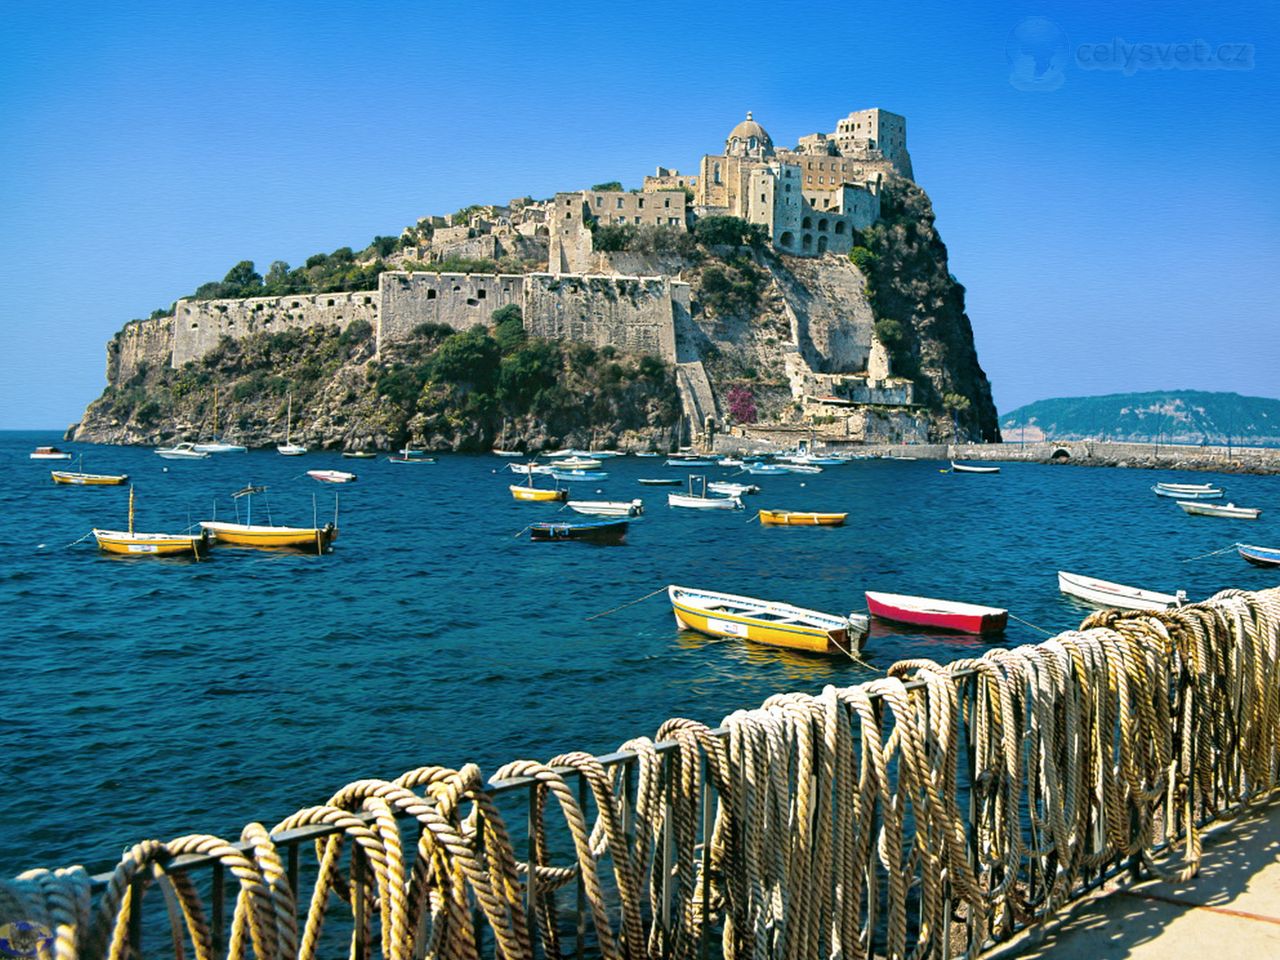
point(803, 289)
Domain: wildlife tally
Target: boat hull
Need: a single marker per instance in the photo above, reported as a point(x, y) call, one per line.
point(151, 544)
point(966, 468)
point(609, 531)
point(219, 448)
point(1259, 556)
point(534, 495)
point(1116, 596)
point(607, 508)
point(789, 518)
point(1228, 510)
point(690, 608)
point(1211, 494)
point(89, 479)
point(703, 503)
point(332, 476)
point(937, 614)
point(309, 539)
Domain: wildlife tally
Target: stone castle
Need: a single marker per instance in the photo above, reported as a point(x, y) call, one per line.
point(810, 200)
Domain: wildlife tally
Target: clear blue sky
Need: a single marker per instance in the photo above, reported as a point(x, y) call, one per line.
point(1119, 232)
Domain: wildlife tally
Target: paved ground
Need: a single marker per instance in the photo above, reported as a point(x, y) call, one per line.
point(1230, 911)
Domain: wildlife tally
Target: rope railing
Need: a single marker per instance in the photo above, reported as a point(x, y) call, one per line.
point(930, 812)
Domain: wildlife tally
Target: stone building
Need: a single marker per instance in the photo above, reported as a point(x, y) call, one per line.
point(573, 214)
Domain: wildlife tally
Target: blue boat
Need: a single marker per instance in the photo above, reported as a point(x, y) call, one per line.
point(767, 469)
point(591, 531)
point(587, 475)
point(1259, 556)
point(677, 462)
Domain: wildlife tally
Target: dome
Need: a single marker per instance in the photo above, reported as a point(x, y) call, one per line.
point(749, 137)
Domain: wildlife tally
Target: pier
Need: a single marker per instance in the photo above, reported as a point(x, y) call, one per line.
point(941, 811)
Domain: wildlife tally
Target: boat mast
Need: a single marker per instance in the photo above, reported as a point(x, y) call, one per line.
point(131, 509)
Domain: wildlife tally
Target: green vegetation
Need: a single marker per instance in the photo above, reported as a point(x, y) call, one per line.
point(608, 186)
point(1183, 416)
point(730, 231)
point(322, 273)
point(733, 288)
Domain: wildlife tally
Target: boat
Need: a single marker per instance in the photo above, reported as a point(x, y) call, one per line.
point(793, 518)
point(217, 445)
point(131, 543)
point(529, 492)
point(507, 453)
point(576, 463)
point(688, 462)
point(971, 468)
point(1103, 593)
point(608, 508)
point(182, 451)
point(765, 621)
point(48, 453)
point(289, 448)
point(1209, 493)
point(817, 461)
point(1259, 556)
point(590, 531)
point(766, 469)
point(76, 478)
point(332, 476)
point(360, 454)
point(938, 614)
point(661, 482)
point(1185, 487)
point(797, 468)
point(648, 454)
point(410, 456)
point(702, 501)
point(268, 536)
point(729, 488)
point(603, 454)
point(1230, 510)
point(730, 462)
point(529, 468)
point(569, 476)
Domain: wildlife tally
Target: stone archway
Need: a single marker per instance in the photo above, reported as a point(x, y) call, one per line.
point(787, 240)
point(822, 244)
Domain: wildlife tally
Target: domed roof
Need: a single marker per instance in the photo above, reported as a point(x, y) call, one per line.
point(747, 129)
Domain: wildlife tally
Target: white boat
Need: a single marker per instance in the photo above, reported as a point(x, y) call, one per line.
point(604, 454)
point(49, 453)
point(648, 453)
point(971, 468)
point(181, 451)
point(1103, 593)
point(529, 468)
point(507, 453)
point(798, 468)
point(216, 445)
point(1219, 510)
point(590, 476)
point(289, 448)
point(767, 469)
point(731, 489)
point(332, 476)
point(608, 508)
point(1209, 493)
point(731, 462)
point(702, 501)
point(1185, 487)
point(576, 463)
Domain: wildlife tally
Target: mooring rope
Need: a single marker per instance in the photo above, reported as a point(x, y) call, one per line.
point(1213, 553)
point(814, 825)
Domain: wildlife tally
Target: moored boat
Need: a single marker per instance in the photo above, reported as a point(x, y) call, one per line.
point(608, 508)
point(182, 451)
point(1104, 593)
point(797, 518)
point(576, 463)
point(410, 456)
point(289, 448)
point(729, 488)
point(529, 468)
point(937, 614)
point(764, 621)
point(360, 454)
point(1184, 487)
point(589, 531)
point(507, 453)
point(48, 453)
point(660, 482)
point(972, 468)
point(700, 501)
point(1207, 493)
point(132, 543)
point(268, 536)
point(77, 479)
point(766, 469)
point(332, 476)
point(689, 462)
point(529, 493)
point(217, 444)
point(569, 476)
point(1259, 556)
point(1229, 510)
point(805, 468)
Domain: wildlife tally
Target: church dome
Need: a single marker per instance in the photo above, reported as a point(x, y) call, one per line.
point(749, 138)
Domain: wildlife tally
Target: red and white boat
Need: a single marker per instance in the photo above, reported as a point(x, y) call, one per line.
point(939, 614)
point(332, 476)
point(49, 453)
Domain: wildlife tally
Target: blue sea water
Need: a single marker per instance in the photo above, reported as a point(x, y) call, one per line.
point(152, 698)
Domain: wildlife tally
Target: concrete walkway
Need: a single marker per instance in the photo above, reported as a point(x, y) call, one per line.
point(1230, 911)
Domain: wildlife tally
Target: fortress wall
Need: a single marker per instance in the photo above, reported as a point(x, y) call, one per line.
point(634, 313)
point(141, 344)
point(457, 300)
point(200, 324)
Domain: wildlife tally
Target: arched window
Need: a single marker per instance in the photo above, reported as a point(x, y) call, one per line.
point(822, 244)
point(715, 174)
point(752, 143)
point(806, 243)
point(822, 224)
point(806, 223)
point(839, 227)
point(787, 239)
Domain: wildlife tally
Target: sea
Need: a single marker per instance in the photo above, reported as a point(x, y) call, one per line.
point(151, 698)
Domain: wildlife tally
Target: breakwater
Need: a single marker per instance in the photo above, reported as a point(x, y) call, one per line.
point(931, 811)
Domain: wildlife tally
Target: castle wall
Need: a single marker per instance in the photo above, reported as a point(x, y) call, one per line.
point(199, 324)
point(457, 300)
point(141, 344)
point(633, 313)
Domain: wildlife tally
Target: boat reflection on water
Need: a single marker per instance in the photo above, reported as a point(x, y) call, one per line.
point(795, 665)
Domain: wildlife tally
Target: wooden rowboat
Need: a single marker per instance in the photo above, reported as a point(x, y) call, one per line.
point(1229, 510)
point(1104, 593)
point(794, 518)
point(659, 482)
point(1185, 487)
point(590, 531)
point(1259, 556)
point(332, 476)
point(938, 614)
point(608, 508)
point(131, 543)
point(1209, 493)
point(764, 621)
point(77, 479)
point(268, 536)
point(536, 494)
point(971, 468)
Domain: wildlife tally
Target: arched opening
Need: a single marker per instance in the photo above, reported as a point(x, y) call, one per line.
point(822, 224)
point(806, 223)
point(541, 232)
point(822, 244)
point(715, 173)
point(787, 239)
point(806, 243)
point(1060, 455)
point(839, 228)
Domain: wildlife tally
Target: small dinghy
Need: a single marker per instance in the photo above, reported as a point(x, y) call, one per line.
point(359, 454)
point(529, 468)
point(608, 508)
point(1116, 596)
point(588, 476)
point(76, 478)
point(332, 476)
point(689, 462)
point(1229, 510)
point(767, 469)
point(700, 501)
point(1259, 556)
point(661, 482)
point(797, 518)
point(730, 489)
point(590, 531)
point(576, 463)
point(938, 614)
point(134, 544)
point(529, 493)
point(1205, 493)
point(48, 453)
point(182, 451)
point(972, 468)
point(1185, 487)
point(765, 621)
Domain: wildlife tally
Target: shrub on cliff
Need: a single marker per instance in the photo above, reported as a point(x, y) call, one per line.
point(731, 289)
point(531, 370)
point(508, 327)
point(730, 231)
point(468, 359)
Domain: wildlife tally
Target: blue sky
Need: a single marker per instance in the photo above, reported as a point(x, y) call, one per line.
point(1119, 232)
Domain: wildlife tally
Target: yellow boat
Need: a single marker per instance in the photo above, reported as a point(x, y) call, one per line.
point(131, 543)
point(528, 492)
point(763, 621)
point(793, 518)
point(268, 536)
point(77, 479)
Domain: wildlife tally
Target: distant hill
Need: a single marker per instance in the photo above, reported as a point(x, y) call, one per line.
point(1173, 416)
